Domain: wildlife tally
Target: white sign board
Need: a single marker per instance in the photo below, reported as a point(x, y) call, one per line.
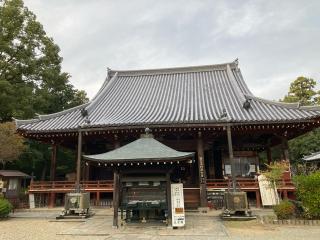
point(269, 196)
point(177, 205)
point(1, 184)
point(31, 201)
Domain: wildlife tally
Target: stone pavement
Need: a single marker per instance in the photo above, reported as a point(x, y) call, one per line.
point(197, 227)
point(41, 224)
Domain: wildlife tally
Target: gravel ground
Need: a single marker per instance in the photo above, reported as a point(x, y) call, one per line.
point(41, 225)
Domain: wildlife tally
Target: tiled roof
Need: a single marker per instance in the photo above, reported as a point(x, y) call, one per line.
point(13, 173)
point(142, 149)
point(202, 94)
point(313, 157)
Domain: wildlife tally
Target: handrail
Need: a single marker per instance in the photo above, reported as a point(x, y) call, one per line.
point(70, 185)
point(107, 185)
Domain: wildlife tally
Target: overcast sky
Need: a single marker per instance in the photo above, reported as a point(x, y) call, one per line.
point(275, 41)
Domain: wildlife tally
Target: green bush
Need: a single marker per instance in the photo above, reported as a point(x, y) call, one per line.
point(284, 210)
point(5, 207)
point(308, 192)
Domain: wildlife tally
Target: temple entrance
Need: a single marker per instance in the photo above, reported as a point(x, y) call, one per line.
point(144, 197)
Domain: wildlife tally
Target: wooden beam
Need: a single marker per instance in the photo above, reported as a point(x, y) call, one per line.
point(202, 172)
point(79, 153)
point(233, 167)
point(116, 180)
point(53, 162)
point(169, 198)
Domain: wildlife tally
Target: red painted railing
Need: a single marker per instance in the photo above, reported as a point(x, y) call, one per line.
point(246, 184)
point(67, 186)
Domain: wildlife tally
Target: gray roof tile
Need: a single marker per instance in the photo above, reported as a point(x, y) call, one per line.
point(166, 96)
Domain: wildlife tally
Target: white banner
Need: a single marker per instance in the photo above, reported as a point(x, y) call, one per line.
point(177, 205)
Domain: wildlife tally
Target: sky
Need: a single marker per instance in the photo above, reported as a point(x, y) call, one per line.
point(275, 41)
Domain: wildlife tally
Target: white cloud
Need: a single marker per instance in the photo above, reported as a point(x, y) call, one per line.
point(275, 41)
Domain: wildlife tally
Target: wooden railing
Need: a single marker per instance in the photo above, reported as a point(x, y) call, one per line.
point(245, 184)
point(66, 186)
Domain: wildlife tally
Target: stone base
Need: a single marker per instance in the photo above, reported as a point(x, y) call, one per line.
point(203, 209)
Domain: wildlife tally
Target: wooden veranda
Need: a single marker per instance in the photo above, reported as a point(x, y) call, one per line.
point(191, 193)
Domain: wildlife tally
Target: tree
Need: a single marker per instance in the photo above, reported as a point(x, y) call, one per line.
point(11, 144)
point(302, 90)
point(31, 80)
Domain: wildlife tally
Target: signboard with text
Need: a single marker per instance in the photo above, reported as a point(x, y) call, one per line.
point(177, 205)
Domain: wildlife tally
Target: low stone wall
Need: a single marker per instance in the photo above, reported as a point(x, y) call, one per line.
point(274, 220)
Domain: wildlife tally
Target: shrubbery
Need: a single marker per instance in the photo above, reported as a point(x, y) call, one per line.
point(284, 210)
point(5, 207)
point(308, 192)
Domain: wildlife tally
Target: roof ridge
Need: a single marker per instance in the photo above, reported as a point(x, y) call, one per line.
point(57, 114)
point(20, 122)
point(281, 104)
point(235, 84)
point(43, 117)
point(101, 92)
point(197, 68)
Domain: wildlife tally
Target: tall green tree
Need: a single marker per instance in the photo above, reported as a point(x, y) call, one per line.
point(31, 80)
point(302, 90)
point(11, 144)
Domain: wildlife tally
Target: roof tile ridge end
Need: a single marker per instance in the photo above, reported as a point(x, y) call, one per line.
point(21, 122)
point(235, 85)
point(311, 108)
point(105, 82)
point(272, 102)
point(63, 112)
point(101, 93)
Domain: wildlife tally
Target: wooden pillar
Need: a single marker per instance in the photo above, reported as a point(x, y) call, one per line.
point(285, 194)
point(98, 199)
point(169, 198)
point(52, 199)
point(116, 183)
point(115, 197)
point(79, 153)
point(233, 167)
point(87, 171)
point(53, 162)
point(258, 199)
point(202, 172)
point(269, 155)
point(116, 141)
